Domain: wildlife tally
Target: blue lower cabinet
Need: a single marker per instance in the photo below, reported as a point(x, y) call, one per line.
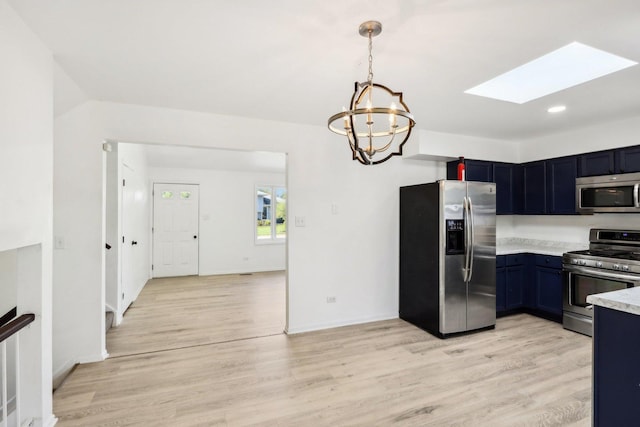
point(548, 290)
point(501, 290)
point(616, 371)
point(530, 283)
point(515, 286)
point(510, 275)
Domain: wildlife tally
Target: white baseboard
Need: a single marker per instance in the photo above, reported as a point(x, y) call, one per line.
point(236, 271)
point(61, 373)
point(51, 421)
point(339, 323)
point(95, 358)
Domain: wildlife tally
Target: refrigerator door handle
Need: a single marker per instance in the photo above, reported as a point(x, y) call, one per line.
point(467, 246)
point(471, 239)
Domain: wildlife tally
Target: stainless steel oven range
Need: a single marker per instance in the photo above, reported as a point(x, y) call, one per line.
point(612, 262)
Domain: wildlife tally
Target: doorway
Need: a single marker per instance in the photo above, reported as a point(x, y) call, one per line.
point(219, 186)
point(175, 230)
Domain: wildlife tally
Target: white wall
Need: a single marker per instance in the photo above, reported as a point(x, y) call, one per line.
point(78, 279)
point(227, 219)
point(26, 123)
point(619, 133)
point(565, 228)
point(352, 255)
point(8, 280)
point(430, 145)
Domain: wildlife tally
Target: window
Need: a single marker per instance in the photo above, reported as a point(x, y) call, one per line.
point(271, 213)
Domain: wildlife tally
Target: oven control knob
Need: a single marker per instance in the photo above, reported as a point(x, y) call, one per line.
point(599, 264)
point(616, 266)
point(625, 268)
point(574, 261)
point(582, 262)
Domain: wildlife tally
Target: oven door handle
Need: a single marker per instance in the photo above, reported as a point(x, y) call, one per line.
point(602, 273)
point(636, 200)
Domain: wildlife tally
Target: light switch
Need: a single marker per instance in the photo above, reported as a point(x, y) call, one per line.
point(334, 208)
point(58, 242)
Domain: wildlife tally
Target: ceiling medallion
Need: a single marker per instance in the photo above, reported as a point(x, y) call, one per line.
point(375, 131)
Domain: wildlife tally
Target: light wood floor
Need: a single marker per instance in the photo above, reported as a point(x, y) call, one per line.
point(526, 372)
point(182, 312)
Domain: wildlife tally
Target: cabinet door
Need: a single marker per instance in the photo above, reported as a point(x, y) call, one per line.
point(548, 290)
point(561, 185)
point(478, 170)
point(597, 163)
point(452, 170)
point(515, 285)
point(534, 188)
point(475, 170)
point(628, 160)
point(616, 371)
point(503, 176)
point(501, 290)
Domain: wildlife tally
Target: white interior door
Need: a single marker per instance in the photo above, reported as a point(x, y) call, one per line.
point(134, 267)
point(175, 229)
point(127, 207)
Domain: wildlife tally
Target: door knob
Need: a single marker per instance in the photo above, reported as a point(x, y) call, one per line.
point(133, 242)
point(195, 237)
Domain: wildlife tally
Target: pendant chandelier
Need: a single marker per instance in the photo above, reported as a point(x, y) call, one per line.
point(375, 131)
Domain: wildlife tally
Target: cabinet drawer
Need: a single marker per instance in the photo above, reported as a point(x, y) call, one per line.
point(501, 261)
point(549, 261)
point(515, 259)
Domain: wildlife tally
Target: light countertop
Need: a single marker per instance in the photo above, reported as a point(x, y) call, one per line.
point(516, 245)
point(627, 300)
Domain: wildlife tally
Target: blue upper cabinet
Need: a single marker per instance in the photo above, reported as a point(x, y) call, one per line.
point(478, 170)
point(598, 163)
point(628, 160)
point(561, 185)
point(545, 186)
point(534, 176)
point(475, 170)
point(621, 160)
point(508, 188)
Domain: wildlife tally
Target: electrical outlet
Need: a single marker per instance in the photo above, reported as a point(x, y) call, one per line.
point(300, 221)
point(331, 300)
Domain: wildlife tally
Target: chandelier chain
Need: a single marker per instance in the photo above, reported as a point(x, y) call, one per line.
point(370, 76)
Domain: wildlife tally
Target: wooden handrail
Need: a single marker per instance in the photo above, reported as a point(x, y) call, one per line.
point(15, 325)
point(8, 316)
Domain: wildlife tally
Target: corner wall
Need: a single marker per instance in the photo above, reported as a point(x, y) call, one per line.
point(26, 171)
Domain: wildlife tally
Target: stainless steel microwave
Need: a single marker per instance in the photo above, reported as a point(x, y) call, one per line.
point(608, 193)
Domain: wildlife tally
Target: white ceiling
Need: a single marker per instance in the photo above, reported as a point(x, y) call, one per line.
point(292, 60)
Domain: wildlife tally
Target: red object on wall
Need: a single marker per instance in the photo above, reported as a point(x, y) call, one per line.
point(461, 169)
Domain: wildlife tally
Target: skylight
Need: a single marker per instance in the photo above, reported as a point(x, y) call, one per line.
point(563, 68)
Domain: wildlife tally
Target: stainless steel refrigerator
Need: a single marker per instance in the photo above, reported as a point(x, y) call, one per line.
point(448, 256)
